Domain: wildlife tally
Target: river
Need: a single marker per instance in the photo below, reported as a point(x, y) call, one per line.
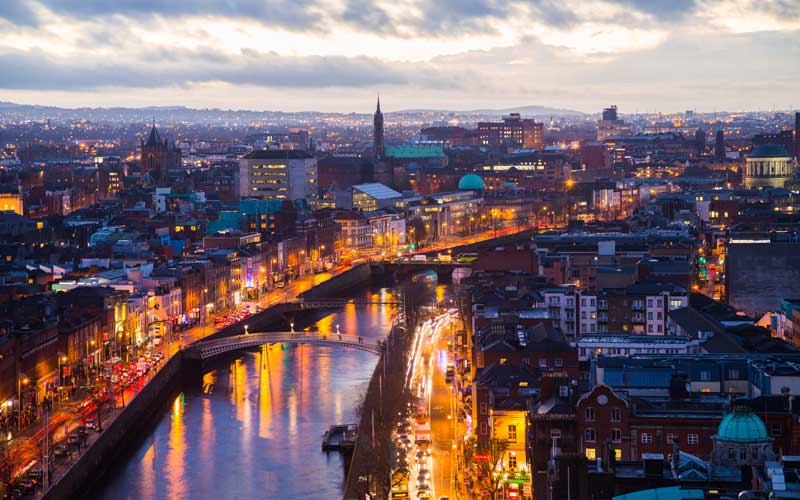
point(253, 428)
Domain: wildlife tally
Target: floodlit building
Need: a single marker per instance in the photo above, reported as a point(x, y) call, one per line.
point(274, 174)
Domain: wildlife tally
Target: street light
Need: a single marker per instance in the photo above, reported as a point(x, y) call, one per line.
point(21, 380)
point(245, 329)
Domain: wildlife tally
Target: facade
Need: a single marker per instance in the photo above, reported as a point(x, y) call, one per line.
point(768, 166)
point(513, 132)
point(158, 156)
point(279, 175)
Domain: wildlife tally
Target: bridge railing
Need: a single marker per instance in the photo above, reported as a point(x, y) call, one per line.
point(209, 348)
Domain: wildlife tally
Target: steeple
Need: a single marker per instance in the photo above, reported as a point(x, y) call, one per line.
point(377, 132)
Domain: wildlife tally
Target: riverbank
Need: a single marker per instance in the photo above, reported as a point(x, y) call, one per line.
point(122, 425)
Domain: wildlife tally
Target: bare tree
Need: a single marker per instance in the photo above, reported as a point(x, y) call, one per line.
point(487, 464)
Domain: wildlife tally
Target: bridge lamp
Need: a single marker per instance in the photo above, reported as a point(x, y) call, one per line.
point(245, 329)
point(337, 328)
point(291, 325)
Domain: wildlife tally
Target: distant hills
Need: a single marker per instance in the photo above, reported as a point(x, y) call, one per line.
point(531, 110)
point(215, 115)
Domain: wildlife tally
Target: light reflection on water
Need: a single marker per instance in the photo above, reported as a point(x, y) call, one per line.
point(253, 430)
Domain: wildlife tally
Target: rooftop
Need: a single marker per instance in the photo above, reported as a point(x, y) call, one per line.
point(378, 191)
point(412, 152)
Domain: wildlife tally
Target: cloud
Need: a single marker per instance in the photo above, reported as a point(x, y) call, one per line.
point(40, 71)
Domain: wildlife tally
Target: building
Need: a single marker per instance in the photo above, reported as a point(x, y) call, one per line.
point(513, 132)
point(11, 202)
point(768, 166)
point(158, 156)
point(373, 196)
point(742, 439)
point(719, 145)
point(273, 174)
point(377, 133)
point(610, 125)
point(760, 272)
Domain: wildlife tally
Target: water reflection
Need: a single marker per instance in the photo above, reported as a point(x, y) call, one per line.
point(253, 427)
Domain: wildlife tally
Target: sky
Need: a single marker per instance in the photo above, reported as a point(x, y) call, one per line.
point(337, 55)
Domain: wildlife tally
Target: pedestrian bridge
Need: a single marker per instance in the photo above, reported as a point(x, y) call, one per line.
point(330, 303)
point(206, 349)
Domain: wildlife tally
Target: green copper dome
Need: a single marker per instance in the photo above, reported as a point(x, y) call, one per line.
point(742, 426)
point(769, 151)
point(471, 182)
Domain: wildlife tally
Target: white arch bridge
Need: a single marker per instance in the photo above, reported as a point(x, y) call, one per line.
point(206, 349)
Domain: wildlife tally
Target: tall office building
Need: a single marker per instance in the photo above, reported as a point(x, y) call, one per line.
point(274, 174)
point(610, 125)
point(378, 146)
point(513, 131)
point(719, 145)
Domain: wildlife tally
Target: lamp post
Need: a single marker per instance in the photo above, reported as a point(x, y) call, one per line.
point(21, 380)
point(245, 330)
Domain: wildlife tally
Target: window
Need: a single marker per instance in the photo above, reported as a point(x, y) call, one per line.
point(512, 460)
point(776, 430)
point(670, 438)
point(484, 428)
point(692, 439)
point(616, 414)
point(589, 413)
point(591, 454)
point(742, 453)
point(563, 391)
point(659, 328)
point(512, 432)
point(754, 453)
point(542, 362)
point(650, 315)
point(649, 302)
point(617, 454)
point(484, 408)
point(705, 375)
point(647, 438)
point(616, 435)
point(733, 373)
point(588, 435)
point(650, 328)
point(559, 362)
point(659, 315)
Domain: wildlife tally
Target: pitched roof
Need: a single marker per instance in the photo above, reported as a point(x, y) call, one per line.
point(153, 140)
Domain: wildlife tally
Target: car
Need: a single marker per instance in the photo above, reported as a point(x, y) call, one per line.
point(60, 450)
point(423, 487)
point(444, 498)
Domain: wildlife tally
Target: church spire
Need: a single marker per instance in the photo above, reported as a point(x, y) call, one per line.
point(377, 132)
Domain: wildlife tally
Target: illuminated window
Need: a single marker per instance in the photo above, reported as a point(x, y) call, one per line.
point(617, 454)
point(591, 454)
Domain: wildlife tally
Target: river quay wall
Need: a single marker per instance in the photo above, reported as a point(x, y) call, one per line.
point(118, 435)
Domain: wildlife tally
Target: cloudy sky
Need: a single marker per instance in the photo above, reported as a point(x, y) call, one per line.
point(336, 55)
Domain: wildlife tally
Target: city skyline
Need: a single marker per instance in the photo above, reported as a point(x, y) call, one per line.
point(333, 56)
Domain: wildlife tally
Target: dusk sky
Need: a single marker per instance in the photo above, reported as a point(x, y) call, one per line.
point(336, 55)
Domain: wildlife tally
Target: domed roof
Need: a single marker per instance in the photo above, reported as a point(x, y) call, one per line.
point(769, 151)
point(471, 181)
point(742, 426)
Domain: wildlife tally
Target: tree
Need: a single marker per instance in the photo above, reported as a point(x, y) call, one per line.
point(487, 465)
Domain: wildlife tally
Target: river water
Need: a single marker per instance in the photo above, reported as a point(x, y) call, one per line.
point(253, 428)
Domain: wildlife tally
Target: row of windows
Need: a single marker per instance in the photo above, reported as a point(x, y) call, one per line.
point(616, 414)
point(647, 438)
point(589, 435)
